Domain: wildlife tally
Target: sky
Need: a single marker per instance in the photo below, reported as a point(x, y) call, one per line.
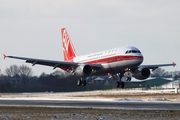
point(31, 28)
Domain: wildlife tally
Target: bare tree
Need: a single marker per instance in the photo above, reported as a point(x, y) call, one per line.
point(12, 71)
point(25, 71)
point(19, 74)
point(58, 73)
point(1, 74)
point(159, 72)
point(176, 74)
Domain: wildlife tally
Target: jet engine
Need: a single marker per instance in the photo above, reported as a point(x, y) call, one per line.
point(141, 73)
point(83, 70)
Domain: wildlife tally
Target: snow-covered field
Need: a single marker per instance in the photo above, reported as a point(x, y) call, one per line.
point(48, 113)
point(108, 95)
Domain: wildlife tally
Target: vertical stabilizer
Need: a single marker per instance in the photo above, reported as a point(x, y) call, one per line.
point(68, 49)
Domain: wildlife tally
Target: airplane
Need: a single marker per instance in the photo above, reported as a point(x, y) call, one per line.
point(120, 62)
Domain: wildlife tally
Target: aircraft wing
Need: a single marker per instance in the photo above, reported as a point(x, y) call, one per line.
point(153, 67)
point(53, 63)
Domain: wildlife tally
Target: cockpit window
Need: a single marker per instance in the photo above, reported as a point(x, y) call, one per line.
point(128, 51)
point(138, 51)
point(132, 51)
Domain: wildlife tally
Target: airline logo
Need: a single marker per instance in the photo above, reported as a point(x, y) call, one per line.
point(68, 50)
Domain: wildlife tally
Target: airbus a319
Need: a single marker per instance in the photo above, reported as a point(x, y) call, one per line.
point(124, 61)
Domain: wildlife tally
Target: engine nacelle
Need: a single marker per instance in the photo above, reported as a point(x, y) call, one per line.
point(83, 70)
point(141, 73)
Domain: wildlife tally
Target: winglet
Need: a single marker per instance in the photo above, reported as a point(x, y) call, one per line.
point(174, 64)
point(4, 56)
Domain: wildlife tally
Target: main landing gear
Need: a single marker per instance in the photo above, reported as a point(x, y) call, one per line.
point(81, 82)
point(120, 83)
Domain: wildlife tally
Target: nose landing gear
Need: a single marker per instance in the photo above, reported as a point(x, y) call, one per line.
point(120, 83)
point(128, 76)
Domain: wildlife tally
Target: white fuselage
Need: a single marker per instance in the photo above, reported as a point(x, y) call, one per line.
point(113, 60)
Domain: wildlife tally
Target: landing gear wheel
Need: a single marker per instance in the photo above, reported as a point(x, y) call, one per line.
point(128, 79)
point(83, 82)
point(122, 85)
point(79, 82)
point(117, 84)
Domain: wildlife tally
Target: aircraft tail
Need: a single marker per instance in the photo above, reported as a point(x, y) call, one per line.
point(68, 49)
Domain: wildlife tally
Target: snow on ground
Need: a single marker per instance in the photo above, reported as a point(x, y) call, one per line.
point(108, 95)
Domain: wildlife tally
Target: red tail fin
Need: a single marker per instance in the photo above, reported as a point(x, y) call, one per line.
point(68, 49)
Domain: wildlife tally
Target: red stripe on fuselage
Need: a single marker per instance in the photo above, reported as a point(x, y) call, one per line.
point(114, 59)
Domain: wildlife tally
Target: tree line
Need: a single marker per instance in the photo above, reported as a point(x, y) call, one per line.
point(159, 72)
point(21, 79)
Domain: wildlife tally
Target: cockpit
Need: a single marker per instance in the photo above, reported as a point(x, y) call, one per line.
point(132, 51)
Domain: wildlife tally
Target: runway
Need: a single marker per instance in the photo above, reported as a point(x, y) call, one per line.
point(93, 104)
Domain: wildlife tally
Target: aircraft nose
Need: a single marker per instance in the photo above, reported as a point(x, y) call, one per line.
point(141, 58)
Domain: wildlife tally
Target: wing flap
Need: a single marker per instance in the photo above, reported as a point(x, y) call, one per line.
point(55, 64)
point(52, 63)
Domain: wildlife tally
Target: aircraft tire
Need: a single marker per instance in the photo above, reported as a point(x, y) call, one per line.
point(117, 84)
point(79, 82)
point(122, 85)
point(83, 82)
point(128, 79)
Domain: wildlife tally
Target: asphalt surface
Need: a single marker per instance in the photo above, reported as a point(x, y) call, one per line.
point(94, 104)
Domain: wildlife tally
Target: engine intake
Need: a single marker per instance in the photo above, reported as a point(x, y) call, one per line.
point(141, 73)
point(83, 70)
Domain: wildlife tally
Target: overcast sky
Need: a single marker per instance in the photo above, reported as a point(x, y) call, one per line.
point(31, 28)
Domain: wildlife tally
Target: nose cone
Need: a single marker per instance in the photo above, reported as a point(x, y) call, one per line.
point(140, 56)
point(141, 59)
